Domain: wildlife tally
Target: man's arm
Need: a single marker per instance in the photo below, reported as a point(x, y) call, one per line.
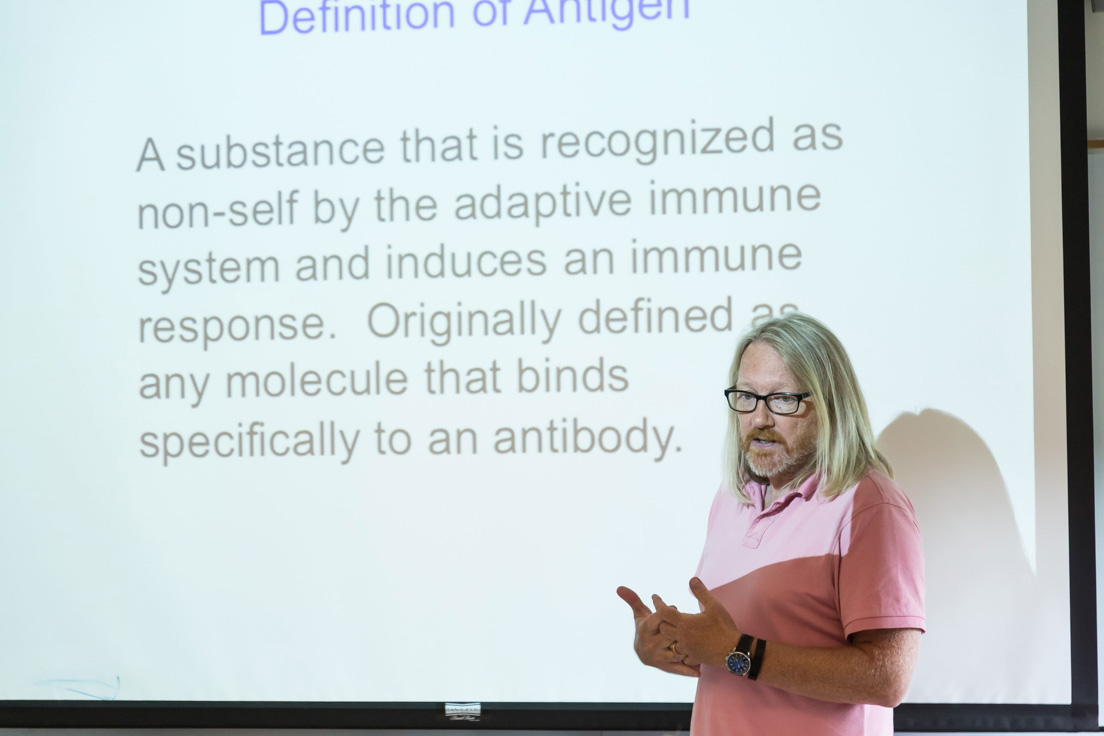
point(876, 667)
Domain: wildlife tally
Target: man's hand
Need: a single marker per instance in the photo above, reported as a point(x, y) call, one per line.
point(654, 648)
point(705, 637)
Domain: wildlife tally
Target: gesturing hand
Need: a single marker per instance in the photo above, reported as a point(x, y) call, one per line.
point(705, 637)
point(654, 648)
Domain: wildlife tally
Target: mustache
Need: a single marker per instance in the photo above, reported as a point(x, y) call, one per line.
point(768, 435)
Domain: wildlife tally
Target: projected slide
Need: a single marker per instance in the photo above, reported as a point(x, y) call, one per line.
point(359, 351)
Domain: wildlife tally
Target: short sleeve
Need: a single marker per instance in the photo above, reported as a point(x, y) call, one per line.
point(881, 570)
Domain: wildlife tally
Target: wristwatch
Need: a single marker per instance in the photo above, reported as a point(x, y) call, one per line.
point(739, 659)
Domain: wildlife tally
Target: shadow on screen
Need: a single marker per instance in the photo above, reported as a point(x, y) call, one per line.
point(981, 590)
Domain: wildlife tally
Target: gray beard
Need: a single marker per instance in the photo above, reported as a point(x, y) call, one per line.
point(787, 464)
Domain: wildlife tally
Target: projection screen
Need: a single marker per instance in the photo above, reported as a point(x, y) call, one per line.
point(357, 352)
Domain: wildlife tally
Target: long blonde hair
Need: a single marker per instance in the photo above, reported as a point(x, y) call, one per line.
point(845, 449)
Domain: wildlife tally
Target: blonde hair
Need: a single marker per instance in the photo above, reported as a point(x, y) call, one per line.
point(845, 449)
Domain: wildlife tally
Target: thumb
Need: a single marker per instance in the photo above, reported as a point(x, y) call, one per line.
point(697, 587)
point(629, 596)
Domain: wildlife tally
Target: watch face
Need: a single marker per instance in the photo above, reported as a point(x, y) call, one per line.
point(739, 663)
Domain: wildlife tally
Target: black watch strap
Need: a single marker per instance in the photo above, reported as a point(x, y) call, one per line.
point(744, 644)
point(757, 658)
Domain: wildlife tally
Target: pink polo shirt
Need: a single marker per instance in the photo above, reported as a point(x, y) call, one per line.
point(809, 572)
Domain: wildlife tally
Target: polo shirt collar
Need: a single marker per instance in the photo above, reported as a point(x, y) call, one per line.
point(807, 489)
point(809, 486)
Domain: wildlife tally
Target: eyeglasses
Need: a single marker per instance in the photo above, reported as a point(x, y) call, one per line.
point(746, 402)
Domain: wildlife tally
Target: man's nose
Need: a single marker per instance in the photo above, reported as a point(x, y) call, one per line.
point(762, 417)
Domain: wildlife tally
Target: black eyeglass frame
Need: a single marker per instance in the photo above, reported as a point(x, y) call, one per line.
point(765, 399)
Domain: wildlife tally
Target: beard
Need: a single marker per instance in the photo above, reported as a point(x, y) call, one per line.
point(783, 459)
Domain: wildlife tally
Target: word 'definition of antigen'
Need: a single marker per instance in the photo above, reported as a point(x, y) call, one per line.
point(280, 18)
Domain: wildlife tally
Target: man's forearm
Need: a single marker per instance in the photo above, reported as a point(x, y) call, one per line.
point(876, 668)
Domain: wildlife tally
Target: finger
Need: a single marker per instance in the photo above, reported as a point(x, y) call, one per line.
point(629, 596)
point(669, 656)
point(697, 587)
point(649, 626)
point(668, 629)
point(667, 613)
point(660, 605)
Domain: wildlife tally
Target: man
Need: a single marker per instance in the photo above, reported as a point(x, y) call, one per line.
point(811, 582)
